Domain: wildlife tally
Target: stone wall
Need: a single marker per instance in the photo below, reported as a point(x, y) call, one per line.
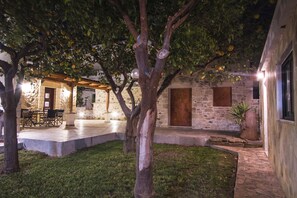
point(83, 113)
point(115, 111)
point(204, 114)
point(281, 135)
point(33, 97)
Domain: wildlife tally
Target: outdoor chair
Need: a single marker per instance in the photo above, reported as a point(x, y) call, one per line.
point(50, 118)
point(59, 116)
point(27, 118)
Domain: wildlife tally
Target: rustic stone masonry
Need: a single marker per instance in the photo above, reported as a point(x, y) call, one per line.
point(115, 111)
point(204, 114)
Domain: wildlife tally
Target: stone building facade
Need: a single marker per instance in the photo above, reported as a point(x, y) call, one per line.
point(279, 96)
point(33, 96)
point(203, 114)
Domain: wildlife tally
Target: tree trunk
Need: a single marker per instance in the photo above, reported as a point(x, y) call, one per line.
point(130, 135)
point(144, 152)
point(11, 162)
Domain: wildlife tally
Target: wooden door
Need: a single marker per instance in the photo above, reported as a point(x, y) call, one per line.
point(49, 94)
point(181, 107)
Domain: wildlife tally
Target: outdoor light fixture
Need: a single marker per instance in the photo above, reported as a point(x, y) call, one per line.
point(66, 93)
point(135, 74)
point(260, 75)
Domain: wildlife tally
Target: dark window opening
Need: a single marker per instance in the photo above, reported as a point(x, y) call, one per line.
point(287, 89)
point(256, 92)
point(93, 98)
point(222, 96)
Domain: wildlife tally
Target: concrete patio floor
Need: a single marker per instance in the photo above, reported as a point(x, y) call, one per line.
point(255, 177)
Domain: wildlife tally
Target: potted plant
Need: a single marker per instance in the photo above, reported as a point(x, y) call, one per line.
point(246, 119)
point(238, 113)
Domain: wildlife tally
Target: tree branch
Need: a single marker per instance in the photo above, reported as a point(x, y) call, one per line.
point(124, 83)
point(2, 95)
point(143, 21)
point(180, 22)
point(5, 65)
point(109, 78)
point(115, 90)
point(128, 21)
point(34, 47)
point(131, 93)
point(167, 81)
point(172, 24)
point(208, 62)
point(7, 49)
point(176, 20)
point(136, 111)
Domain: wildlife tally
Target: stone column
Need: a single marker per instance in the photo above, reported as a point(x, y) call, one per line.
point(107, 113)
point(70, 117)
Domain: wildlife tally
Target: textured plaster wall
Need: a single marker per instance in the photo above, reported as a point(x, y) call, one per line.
point(282, 134)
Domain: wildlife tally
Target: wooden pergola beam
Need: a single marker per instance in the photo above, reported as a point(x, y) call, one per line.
point(82, 82)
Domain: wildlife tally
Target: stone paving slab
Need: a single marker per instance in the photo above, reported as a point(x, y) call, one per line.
point(255, 176)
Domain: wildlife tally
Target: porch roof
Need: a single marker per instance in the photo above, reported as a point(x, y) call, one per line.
point(82, 82)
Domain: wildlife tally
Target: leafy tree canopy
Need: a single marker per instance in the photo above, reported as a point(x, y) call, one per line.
point(214, 41)
point(27, 23)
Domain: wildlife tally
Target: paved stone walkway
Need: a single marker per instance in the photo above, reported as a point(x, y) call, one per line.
point(255, 177)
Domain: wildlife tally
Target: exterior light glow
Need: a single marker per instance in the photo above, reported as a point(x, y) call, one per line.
point(66, 93)
point(81, 114)
point(260, 75)
point(114, 114)
point(26, 87)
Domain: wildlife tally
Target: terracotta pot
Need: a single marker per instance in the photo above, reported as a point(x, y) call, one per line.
point(250, 131)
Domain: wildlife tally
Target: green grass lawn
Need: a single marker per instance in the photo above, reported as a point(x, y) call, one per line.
point(104, 171)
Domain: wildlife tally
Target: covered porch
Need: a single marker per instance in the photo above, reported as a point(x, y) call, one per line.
point(52, 100)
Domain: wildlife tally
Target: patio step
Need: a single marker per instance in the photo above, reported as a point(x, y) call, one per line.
point(59, 149)
point(234, 141)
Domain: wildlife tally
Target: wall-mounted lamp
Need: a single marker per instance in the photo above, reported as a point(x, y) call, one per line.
point(135, 74)
point(260, 75)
